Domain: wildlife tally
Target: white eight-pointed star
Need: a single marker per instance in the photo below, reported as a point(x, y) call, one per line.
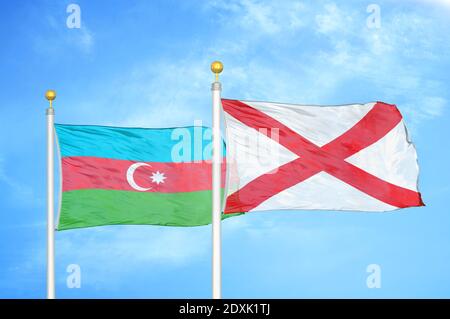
point(158, 177)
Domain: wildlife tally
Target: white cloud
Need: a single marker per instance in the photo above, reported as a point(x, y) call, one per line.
point(262, 17)
point(84, 39)
point(138, 245)
point(167, 93)
point(434, 106)
point(332, 20)
point(21, 192)
point(59, 38)
point(141, 247)
point(389, 60)
point(425, 108)
point(170, 94)
point(443, 3)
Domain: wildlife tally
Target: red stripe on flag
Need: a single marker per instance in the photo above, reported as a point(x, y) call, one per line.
point(379, 121)
point(80, 172)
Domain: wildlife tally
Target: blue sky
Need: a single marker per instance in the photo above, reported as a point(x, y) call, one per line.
point(146, 63)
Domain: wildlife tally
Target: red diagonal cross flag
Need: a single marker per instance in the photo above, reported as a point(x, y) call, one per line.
point(349, 157)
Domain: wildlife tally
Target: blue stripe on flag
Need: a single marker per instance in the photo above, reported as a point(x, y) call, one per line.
point(180, 144)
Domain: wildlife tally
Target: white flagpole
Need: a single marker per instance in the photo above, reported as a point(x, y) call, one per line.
point(50, 95)
point(216, 68)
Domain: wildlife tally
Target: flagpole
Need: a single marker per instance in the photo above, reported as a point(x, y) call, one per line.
point(216, 88)
point(50, 95)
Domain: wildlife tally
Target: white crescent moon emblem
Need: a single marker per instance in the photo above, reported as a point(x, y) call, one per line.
point(130, 177)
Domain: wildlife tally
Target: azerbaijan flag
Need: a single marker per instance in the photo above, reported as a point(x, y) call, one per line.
point(135, 176)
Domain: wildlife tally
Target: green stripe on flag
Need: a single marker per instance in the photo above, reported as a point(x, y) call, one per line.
point(96, 207)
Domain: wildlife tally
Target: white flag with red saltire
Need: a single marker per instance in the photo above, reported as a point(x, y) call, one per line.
point(349, 157)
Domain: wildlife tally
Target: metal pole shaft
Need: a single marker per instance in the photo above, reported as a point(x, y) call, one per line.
point(216, 195)
point(50, 206)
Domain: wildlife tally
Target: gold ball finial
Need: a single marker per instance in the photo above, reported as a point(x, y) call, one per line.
point(50, 95)
point(216, 68)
